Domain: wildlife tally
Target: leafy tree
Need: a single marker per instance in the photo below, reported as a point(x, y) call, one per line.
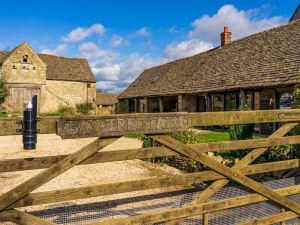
point(3, 91)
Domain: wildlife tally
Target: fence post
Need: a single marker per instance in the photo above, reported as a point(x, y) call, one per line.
point(282, 222)
point(205, 218)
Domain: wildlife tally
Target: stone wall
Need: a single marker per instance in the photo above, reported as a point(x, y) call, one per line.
point(23, 66)
point(66, 93)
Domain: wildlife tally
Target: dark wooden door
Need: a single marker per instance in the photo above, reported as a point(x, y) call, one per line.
point(18, 96)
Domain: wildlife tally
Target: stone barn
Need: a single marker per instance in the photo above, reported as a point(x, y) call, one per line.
point(58, 81)
point(296, 15)
point(106, 100)
point(260, 71)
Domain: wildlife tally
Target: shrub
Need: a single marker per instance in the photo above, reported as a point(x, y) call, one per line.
point(243, 131)
point(66, 110)
point(180, 162)
point(186, 137)
point(3, 91)
point(84, 108)
point(239, 132)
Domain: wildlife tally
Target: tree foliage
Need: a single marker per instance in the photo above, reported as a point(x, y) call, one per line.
point(3, 91)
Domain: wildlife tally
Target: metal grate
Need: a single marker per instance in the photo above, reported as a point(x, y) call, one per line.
point(87, 213)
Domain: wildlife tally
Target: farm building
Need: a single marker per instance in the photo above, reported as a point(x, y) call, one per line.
point(106, 100)
point(260, 71)
point(296, 15)
point(58, 81)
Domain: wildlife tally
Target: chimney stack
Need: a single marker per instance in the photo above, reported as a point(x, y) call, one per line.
point(225, 37)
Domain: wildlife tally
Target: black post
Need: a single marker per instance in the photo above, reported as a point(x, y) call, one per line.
point(29, 125)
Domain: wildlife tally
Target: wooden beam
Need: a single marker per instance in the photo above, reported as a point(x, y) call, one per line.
point(161, 104)
point(118, 125)
point(208, 103)
point(33, 163)
point(195, 210)
point(242, 97)
point(205, 219)
point(147, 123)
point(245, 117)
point(38, 180)
point(277, 218)
point(22, 218)
point(143, 153)
point(282, 210)
point(47, 125)
point(244, 144)
point(213, 188)
point(226, 171)
point(138, 185)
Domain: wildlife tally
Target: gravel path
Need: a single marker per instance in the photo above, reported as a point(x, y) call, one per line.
point(85, 175)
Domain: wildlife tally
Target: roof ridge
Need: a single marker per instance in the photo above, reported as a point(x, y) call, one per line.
point(219, 47)
point(58, 56)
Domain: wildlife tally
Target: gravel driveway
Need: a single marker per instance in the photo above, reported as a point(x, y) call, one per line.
point(101, 173)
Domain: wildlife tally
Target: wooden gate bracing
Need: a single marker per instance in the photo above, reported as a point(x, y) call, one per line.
point(109, 128)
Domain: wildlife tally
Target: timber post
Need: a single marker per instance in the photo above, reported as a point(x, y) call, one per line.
point(208, 102)
point(161, 104)
point(180, 103)
point(242, 97)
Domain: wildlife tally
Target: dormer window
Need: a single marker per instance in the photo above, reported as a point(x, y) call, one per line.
point(156, 78)
point(25, 58)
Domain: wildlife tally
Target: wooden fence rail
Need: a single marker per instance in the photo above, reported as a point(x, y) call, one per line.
point(154, 125)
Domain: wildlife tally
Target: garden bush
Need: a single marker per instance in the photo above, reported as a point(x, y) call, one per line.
point(84, 108)
point(239, 132)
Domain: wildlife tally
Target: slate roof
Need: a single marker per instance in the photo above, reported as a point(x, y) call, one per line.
point(106, 98)
point(265, 59)
point(62, 68)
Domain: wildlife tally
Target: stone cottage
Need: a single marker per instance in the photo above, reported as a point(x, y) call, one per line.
point(56, 80)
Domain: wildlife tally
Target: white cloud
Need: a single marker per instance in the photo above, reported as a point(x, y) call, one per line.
point(59, 50)
point(176, 50)
point(143, 32)
point(106, 71)
point(123, 73)
point(117, 41)
point(133, 65)
point(81, 33)
point(114, 72)
point(91, 51)
point(241, 23)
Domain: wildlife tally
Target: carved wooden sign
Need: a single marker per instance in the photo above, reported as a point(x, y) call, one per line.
point(118, 125)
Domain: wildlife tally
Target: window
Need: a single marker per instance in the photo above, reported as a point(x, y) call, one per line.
point(25, 58)
point(156, 78)
point(286, 100)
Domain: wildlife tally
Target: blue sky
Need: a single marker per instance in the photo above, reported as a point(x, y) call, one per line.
point(120, 38)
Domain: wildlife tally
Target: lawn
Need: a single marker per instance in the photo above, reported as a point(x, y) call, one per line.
point(201, 138)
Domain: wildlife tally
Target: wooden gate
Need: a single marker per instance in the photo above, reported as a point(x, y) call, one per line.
point(156, 126)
